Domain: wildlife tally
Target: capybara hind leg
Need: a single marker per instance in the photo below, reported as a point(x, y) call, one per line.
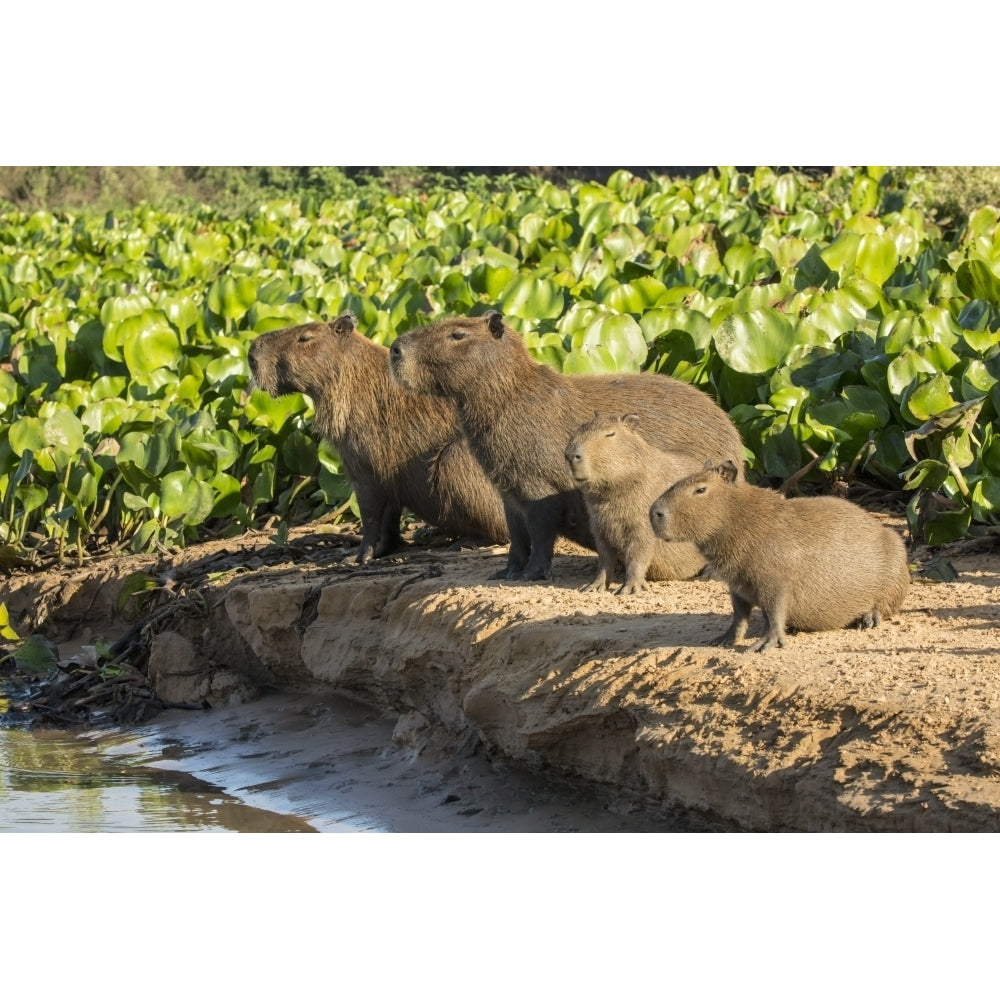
point(770, 640)
point(738, 627)
point(774, 621)
point(871, 619)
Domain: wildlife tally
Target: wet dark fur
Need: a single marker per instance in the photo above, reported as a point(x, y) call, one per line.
point(398, 449)
point(518, 416)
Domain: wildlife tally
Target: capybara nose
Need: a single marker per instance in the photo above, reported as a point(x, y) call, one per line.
point(395, 351)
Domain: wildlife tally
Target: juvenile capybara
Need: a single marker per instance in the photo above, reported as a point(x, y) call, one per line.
point(620, 475)
point(809, 563)
point(398, 449)
point(518, 415)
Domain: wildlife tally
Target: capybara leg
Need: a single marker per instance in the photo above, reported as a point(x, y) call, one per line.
point(544, 518)
point(870, 620)
point(606, 564)
point(389, 539)
point(738, 627)
point(635, 577)
point(520, 542)
point(769, 641)
point(774, 620)
point(540, 564)
point(379, 524)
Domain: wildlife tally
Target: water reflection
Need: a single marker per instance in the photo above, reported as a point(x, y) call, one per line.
point(55, 781)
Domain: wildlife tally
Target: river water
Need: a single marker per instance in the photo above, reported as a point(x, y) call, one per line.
point(286, 763)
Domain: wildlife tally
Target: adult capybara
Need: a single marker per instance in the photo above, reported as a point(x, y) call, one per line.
point(620, 475)
point(518, 415)
point(811, 563)
point(398, 449)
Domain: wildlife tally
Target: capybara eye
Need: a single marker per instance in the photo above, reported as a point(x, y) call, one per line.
point(701, 489)
point(458, 335)
point(305, 336)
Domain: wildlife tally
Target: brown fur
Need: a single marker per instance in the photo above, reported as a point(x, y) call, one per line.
point(399, 450)
point(518, 415)
point(620, 475)
point(811, 563)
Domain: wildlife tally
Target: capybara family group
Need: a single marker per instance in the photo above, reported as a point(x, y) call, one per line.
point(459, 424)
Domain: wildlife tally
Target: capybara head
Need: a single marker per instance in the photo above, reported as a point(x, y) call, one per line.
point(600, 448)
point(442, 358)
point(301, 358)
point(694, 507)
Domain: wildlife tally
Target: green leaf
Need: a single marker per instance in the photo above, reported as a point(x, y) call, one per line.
point(928, 475)
point(528, 297)
point(940, 570)
point(134, 583)
point(35, 656)
point(154, 344)
point(947, 526)
point(903, 370)
point(631, 297)
point(930, 398)
point(977, 280)
point(27, 434)
point(298, 452)
point(877, 258)
point(617, 341)
point(754, 342)
point(657, 322)
point(181, 495)
point(812, 269)
point(64, 432)
point(986, 498)
point(6, 631)
point(841, 254)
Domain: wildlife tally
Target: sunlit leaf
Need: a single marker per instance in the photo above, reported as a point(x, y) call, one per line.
point(532, 298)
point(186, 497)
point(754, 342)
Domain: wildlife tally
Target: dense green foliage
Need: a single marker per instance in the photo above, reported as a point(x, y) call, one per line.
point(832, 318)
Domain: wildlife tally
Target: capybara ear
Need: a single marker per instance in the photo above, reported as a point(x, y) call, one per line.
point(494, 322)
point(345, 323)
point(631, 420)
point(728, 471)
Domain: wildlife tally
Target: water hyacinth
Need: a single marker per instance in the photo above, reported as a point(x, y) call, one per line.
point(830, 317)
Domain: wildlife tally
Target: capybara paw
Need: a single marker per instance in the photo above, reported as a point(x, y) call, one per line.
point(535, 573)
point(870, 620)
point(768, 642)
point(598, 584)
point(637, 587)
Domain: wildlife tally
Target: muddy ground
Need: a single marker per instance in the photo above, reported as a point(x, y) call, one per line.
point(894, 728)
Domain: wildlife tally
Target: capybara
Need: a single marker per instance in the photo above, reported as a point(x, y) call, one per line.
point(518, 415)
point(620, 475)
point(398, 449)
point(809, 563)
